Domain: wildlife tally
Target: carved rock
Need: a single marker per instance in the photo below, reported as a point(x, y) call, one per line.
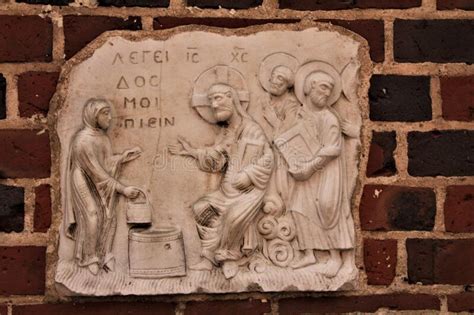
point(209, 161)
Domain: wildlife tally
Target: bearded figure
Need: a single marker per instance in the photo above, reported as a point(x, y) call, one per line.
point(225, 218)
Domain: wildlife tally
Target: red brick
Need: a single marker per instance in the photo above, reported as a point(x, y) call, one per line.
point(25, 38)
point(35, 90)
point(371, 30)
point(81, 30)
point(380, 260)
point(400, 98)
point(461, 302)
point(347, 4)
point(100, 308)
point(455, 4)
point(42, 217)
point(228, 4)
point(441, 153)
point(25, 154)
point(381, 161)
point(459, 209)
point(457, 94)
point(12, 208)
point(441, 41)
point(236, 307)
point(345, 304)
point(399, 208)
point(3, 95)
point(440, 261)
point(22, 270)
point(3, 310)
point(135, 3)
point(166, 22)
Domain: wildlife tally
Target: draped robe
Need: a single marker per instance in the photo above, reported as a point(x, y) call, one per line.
point(225, 218)
point(320, 205)
point(91, 186)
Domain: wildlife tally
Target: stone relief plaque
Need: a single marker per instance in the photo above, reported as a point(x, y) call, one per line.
point(207, 160)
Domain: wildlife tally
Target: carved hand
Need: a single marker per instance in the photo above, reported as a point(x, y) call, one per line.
point(349, 129)
point(242, 181)
point(131, 154)
point(303, 171)
point(183, 147)
point(131, 192)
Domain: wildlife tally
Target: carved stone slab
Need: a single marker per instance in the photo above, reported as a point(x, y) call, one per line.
point(205, 160)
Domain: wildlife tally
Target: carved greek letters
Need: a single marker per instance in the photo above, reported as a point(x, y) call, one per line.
point(213, 162)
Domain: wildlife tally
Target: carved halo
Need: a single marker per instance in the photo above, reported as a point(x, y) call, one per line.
point(314, 66)
point(217, 74)
point(272, 61)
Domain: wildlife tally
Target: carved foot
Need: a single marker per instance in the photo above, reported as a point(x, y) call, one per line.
point(202, 265)
point(230, 269)
point(306, 260)
point(332, 267)
point(94, 268)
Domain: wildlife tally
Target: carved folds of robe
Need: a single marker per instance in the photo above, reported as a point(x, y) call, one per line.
point(281, 182)
point(320, 205)
point(226, 218)
point(90, 216)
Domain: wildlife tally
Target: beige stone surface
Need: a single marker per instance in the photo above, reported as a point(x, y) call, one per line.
point(157, 86)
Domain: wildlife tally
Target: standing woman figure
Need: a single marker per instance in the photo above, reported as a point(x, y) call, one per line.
point(91, 189)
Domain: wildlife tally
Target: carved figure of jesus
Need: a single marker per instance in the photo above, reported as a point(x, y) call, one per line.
point(225, 218)
point(319, 201)
point(91, 189)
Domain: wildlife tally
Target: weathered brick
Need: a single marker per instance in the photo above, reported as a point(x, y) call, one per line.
point(35, 90)
point(433, 40)
point(461, 302)
point(235, 307)
point(228, 4)
point(380, 260)
point(386, 208)
point(166, 22)
point(459, 209)
point(81, 30)
point(381, 161)
point(104, 308)
point(345, 304)
point(455, 4)
point(25, 38)
point(347, 4)
point(400, 98)
point(22, 270)
point(100, 308)
point(25, 154)
point(3, 100)
point(12, 208)
point(371, 30)
point(135, 3)
point(3, 310)
point(42, 217)
point(457, 94)
point(441, 153)
point(440, 261)
point(50, 2)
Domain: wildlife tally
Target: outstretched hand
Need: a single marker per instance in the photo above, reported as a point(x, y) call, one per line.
point(183, 147)
point(131, 154)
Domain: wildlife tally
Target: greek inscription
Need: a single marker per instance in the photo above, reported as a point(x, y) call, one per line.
point(192, 55)
point(140, 57)
point(239, 55)
point(138, 81)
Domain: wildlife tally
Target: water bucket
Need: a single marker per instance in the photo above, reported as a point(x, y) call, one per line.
point(157, 252)
point(139, 209)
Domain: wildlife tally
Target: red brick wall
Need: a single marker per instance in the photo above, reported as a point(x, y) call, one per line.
point(414, 209)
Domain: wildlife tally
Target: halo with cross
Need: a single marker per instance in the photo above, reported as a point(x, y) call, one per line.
point(217, 74)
